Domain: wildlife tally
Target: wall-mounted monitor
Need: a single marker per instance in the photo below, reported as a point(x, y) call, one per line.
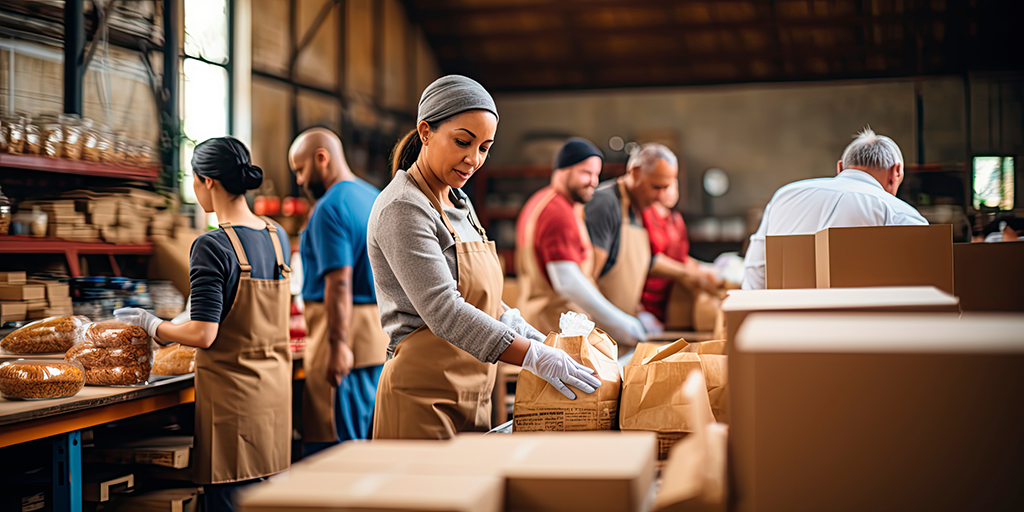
point(992, 182)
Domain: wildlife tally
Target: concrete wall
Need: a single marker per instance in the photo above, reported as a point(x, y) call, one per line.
point(763, 136)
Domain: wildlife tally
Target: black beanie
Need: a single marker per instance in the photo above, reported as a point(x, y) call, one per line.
point(226, 159)
point(574, 151)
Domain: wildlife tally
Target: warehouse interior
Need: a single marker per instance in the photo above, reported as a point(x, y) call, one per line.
point(103, 104)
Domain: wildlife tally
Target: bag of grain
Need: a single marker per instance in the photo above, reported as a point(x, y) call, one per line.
point(541, 407)
point(46, 336)
point(113, 354)
point(174, 359)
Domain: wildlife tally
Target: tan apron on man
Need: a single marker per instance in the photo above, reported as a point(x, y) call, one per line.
point(369, 345)
point(432, 389)
point(539, 303)
point(243, 426)
point(623, 285)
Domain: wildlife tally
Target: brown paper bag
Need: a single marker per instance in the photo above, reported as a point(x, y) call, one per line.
point(706, 307)
point(715, 368)
point(540, 407)
point(694, 477)
point(652, 395)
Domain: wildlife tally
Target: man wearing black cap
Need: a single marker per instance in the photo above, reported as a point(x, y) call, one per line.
point(555, 264)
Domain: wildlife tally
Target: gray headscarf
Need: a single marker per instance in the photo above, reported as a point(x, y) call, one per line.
point(453, 94)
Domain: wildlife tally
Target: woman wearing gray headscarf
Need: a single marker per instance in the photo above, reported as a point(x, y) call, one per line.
point(439, 282)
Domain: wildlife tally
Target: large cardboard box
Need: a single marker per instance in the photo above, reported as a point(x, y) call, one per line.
point(13, 277)
point(885, 256)
point(368, 491)
point(789, 262)
point(989, 277)
point(909, 299)
point(878, 412)
point(555, 472)
point(12, 311)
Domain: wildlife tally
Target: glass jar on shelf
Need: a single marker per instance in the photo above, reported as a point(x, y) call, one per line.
point(33, 136)
point(74, 127)
point(5, 213)
point(4, 134)
point(119, 155)
point(51, 135)
point(14, 128)
point(98, 144)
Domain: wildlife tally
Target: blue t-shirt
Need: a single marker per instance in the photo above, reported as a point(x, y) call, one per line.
point(336, 238)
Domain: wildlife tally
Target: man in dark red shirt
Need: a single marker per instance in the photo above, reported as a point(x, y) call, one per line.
point(555, 259)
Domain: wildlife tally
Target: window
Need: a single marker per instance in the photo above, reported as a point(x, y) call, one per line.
point(205, 81)
point(993, 182)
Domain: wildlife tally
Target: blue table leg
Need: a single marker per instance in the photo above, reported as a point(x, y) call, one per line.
point(67, 472)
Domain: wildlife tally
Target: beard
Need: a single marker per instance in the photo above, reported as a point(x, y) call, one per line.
point(582, 194)
point(314, 190)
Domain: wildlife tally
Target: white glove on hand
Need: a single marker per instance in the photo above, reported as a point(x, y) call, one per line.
point(559, 370)
point(635, 328)
point(140, 317)
point(514, 319)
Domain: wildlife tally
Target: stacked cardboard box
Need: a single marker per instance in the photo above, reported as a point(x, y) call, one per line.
point(21, 298)
point(116, 215)
point(877, 412)
point(57, 302)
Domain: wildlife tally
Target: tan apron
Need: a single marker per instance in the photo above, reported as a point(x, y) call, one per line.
point(539, 303)
point(369, 345)
point(432, 389)
point(623, 285)
point(244, 381)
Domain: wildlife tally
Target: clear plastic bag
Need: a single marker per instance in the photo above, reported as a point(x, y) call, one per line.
point(37, 379)
point(46, 336)
point(40, 379)
point(113, 354)
point(174, 359)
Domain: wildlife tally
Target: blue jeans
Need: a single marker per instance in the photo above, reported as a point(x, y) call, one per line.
point(353, 406)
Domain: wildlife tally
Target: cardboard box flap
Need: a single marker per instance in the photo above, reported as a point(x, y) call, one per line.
point(339, 492)
point(891, 333)
point(837, 298)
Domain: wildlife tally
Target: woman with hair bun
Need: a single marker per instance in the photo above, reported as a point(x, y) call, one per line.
point(439, 282)
point(239, 313)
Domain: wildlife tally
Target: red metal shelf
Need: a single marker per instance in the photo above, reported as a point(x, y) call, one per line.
point(22, 244)
point(64, 166)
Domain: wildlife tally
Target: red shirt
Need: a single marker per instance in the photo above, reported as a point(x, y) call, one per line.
point(668, 236)
point(557, 234)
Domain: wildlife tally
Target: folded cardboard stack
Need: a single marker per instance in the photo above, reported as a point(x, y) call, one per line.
point(877, 412)
point(594, 471)
point(31, 299)
point(168, 451)
point(121, 215)
point(541, 407)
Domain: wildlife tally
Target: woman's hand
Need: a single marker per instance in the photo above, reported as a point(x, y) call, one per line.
point(140, 317)
point(559, 370)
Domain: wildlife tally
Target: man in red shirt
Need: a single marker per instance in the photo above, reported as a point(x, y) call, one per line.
point(555, 259)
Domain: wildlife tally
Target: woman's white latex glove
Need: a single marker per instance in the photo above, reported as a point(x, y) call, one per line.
point(514, 319)
point(140, 317)
point(558, 369)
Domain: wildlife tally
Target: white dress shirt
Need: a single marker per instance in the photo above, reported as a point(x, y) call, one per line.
point(851, 198)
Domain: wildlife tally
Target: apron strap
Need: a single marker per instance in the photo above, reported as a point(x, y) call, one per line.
point(625, 202)
point(243, 262)
point(475, 221)
point(418, 176)
point(278, 253)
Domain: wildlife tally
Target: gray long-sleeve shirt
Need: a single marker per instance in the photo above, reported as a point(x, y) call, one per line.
point(415, 271)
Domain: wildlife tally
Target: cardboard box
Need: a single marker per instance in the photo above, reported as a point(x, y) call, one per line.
point(989, 277)
point(789, 262)
point(169, 451)
point(878, 412)
point(55, 290)
point(36, 305)
point(166, 500)
point(12, 312)
point(15, 277)
point(24, 292)
point(911, 299)
point(549, 472)
point(885, 256)
point(652, 395)
point(366, 491)
point(679, 310)
point(541, 407)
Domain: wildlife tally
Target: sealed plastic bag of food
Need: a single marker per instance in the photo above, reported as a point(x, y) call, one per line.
point(36, 379)
point(46, 336)
point(174, 359)
point(113, 354)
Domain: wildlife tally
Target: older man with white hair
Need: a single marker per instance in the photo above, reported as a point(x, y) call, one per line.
point(863, 193)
